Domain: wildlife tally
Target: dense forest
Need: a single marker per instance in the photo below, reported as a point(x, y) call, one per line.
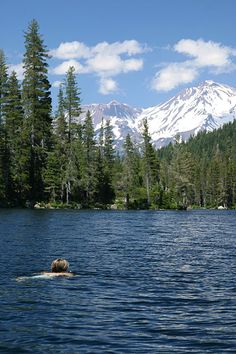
point(54, 160)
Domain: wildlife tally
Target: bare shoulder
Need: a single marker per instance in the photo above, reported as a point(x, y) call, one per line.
point(61, 274)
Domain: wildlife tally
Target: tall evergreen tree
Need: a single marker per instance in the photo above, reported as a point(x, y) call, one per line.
point(4, 157)
point(108, 159)
point(3, 85)
point(89, 168)
point(60, 121)
point(130, 174)
point(215, 180)
point(57, 159)
point(72, 110)
point(16, 142)
point(101, 137)
point(150, 163)
point(108, 150)
point(230, 182)
point(101, 185)
point(72, 102)
point(104, 166)
point(53, 173)
point(37, 107)
point(182, 172)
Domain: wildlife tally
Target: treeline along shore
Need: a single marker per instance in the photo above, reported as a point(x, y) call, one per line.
point(54, 160)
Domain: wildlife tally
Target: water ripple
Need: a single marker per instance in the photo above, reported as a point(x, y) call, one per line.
point(149, 282)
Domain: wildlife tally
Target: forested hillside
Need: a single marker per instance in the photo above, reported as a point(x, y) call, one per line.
point(203, 170)
point(54, 160)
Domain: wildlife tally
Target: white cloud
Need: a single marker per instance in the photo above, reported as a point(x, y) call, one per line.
point(112, 65)
point(129, 47)
point(18, 68)
point(132, 65)
point(100, 64)
point(76, 50)
point(210, 56)
point(71, 50)
point(107, 86)
point(174, 75)
point(205, 53)
point(63, 67)
point(105, 64)
point(105, 60)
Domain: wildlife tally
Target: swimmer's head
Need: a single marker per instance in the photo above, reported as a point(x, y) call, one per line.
point(59, 265)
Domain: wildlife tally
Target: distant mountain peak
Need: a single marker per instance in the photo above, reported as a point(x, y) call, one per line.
point(114, 102)
point(206, 106)
point(208, 83)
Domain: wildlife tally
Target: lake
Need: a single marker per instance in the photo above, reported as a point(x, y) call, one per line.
point(148, 282)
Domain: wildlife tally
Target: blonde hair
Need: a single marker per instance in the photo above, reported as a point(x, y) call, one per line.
point(59, 265)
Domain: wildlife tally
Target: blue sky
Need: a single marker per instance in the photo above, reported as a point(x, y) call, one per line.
point(135, 51)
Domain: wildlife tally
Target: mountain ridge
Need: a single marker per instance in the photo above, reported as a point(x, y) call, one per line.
point(204, 107)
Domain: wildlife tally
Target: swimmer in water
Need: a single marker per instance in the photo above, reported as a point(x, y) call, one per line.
point(59, 267)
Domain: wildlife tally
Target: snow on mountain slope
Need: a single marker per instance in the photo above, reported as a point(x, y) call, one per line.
point(122, 117)
point(204, 107)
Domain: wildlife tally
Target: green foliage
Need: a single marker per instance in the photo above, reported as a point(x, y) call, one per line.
point(105, 161)
point(182, 171)
point(150, 163)
point(65, 165)
point(89, 172)
point(130, 173)
point(3, 86)
point(16, 143)
point(4, 153)
point(72, 102)
point(37, 108)
point(69, 110)
point(52, 175)
point(202, 170)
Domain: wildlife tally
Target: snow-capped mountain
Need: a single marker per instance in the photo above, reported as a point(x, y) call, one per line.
point(204, 107)
point(123, 119)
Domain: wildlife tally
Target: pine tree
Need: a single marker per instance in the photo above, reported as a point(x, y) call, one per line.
point(215, 179)
point(61, 123)
point(100, 194)
point(16, 144)
point(182, 171)
point(150, 163)
point(72, 110)
point(53, 174)
point(109, 151)
point(37, 107)
point(130, 173)
point(101, 138)
point(72, 102)
point(57, 159)
point(230, 182)
point(3, 86)
point(104, 166)
point(89, 166)
point(199, 181)
point(4, 155)
point(109, 159)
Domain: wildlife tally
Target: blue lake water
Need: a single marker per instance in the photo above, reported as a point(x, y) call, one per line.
point(148, 282)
